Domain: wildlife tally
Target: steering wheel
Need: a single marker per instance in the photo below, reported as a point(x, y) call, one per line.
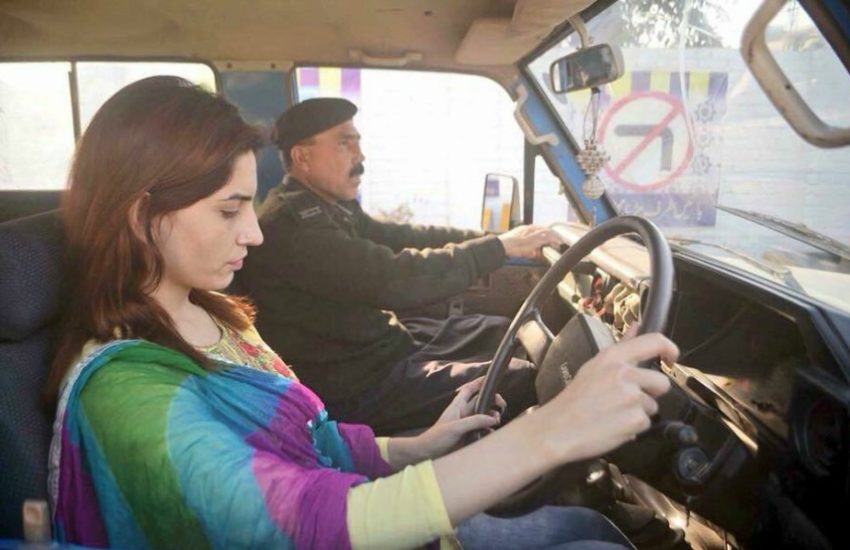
point(560, 357)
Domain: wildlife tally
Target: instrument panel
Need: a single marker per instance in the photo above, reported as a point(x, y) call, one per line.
point(741, 357)
point(763, 379)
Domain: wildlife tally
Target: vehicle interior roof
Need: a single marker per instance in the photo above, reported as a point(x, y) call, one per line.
point(280, 31)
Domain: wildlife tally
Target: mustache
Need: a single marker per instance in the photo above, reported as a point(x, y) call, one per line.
point(357, 170)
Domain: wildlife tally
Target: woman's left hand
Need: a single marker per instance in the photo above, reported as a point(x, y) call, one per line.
point(457, 420)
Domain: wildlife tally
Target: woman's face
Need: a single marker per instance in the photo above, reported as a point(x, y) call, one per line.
point(203, 244)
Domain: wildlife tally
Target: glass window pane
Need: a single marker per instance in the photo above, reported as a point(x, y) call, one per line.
point(550, 204)
point(36, 118)
point(36, 125)
point(429, 139)
point(694, 140)
point(97, 81)
point(688, 128)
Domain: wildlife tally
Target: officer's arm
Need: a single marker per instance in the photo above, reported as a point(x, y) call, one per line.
point(400, 236)
point(325, 261)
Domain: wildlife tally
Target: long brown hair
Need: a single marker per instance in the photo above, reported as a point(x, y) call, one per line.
point(158, 145)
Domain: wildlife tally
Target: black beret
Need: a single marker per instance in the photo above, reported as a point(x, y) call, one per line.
point(310, 117)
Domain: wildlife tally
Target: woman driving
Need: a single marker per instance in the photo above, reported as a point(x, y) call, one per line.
point(177, 426)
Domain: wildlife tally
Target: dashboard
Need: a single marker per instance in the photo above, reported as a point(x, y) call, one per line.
point(758, 366)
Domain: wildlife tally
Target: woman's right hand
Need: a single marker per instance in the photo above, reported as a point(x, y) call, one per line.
point(609, 401)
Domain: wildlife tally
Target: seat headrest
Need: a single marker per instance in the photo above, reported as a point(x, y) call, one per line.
point(31, 273)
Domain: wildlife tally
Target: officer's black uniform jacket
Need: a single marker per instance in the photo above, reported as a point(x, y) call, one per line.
point(327, 277)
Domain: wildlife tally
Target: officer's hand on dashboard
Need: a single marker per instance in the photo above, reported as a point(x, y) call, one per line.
point(526, 241)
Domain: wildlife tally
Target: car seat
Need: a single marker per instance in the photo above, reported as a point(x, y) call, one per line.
point(31, 278)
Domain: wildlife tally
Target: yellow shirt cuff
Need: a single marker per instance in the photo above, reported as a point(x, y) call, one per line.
point(404, 510)
point(384, 448)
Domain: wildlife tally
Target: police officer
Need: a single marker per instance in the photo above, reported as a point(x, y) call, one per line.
point(327, 279)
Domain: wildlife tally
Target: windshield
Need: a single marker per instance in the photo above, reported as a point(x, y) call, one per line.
point(687, 129)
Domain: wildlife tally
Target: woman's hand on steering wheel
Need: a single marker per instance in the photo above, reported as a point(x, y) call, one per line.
point(458, 419)
point(591, 401)
point(609, 402)
point(447, 433)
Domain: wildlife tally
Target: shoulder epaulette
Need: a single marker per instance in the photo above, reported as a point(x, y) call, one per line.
point(300, 206)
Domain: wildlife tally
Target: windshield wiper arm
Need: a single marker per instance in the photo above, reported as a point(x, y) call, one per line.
point(780, 272)
point(794, 230)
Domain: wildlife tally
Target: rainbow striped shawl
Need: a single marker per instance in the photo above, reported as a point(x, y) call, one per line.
point(151, 451)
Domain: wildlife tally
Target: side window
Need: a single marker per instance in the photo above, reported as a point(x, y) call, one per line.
point(99, 80)
point(37, 112)
point(550, 204)
point(429, 139)
point(36, 125)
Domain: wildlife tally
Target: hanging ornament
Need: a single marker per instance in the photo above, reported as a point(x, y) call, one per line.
point(592, 157)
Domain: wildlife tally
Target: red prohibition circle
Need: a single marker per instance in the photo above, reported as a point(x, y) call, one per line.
point(678, 110)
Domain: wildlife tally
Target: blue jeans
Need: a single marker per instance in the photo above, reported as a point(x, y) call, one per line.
point(550, 527)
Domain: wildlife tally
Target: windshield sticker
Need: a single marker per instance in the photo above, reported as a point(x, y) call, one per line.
point(665, 150)
point(632, 125)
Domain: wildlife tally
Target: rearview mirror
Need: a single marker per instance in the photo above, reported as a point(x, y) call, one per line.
point(586, 68)
point(500, 209)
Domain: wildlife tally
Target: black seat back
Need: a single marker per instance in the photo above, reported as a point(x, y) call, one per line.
point(31, 268)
